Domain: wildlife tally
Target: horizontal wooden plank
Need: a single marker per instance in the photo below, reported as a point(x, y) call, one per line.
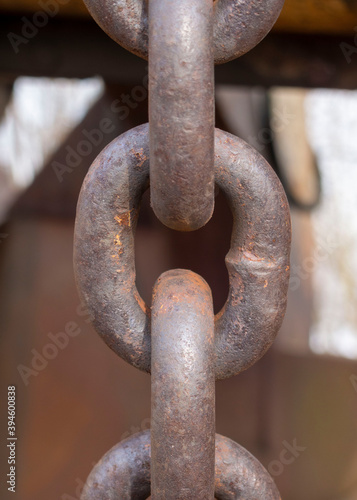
point(71, 7)
point(318, 16)
point(85, 50)
point(302, 16)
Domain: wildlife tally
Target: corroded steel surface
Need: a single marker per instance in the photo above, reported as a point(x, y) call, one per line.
point(257, 262)
point(124, 473)
point(183, 345)
point(240, 476)
point(181, 112)
point(239, 25)
point(183, 388)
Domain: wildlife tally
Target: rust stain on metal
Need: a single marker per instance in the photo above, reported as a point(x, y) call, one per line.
point(181, 91)
point(249, 22)
point(252, 315)
point(179, 340)
point(183, 388)
point(124, 219)
point(125, 470)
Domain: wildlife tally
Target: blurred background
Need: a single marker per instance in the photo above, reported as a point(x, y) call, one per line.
point(67, 90)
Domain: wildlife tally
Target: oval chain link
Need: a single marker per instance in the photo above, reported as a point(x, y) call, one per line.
point(257, 262)
point(182, 388)
point(181, 112)
point(124, 471)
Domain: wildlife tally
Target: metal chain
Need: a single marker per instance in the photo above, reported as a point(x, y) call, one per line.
point(181, 112)
point(180, 342)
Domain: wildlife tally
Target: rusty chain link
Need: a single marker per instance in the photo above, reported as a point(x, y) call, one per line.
point(238, 25)
point(257, 262)
point(124, 473)
point(181, 112)
point(180, 342)
point(182, 393)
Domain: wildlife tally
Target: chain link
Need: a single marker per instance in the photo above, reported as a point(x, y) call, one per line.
point(239, 25)
point(182, 389)
point(181, 112)
point(180, 342)
point(257, 262)
point(124, 473)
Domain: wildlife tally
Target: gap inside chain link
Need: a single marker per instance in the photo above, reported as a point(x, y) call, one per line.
point(158, 249)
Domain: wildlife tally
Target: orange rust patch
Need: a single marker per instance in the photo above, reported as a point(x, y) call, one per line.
point(141, 303)
point(139, 155)
point(250, 256)
point(124, 219)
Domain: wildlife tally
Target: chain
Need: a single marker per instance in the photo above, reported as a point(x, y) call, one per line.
point(180, 341)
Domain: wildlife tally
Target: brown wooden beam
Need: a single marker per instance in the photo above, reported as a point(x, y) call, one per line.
point(318, 16)
point(79, 49)
point(298, 16)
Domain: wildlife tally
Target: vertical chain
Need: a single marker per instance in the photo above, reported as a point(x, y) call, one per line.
point(181, 343)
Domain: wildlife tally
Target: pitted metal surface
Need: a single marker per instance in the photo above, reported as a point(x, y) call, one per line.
point(180, 341)
point(239, 25)
point(182, 388)
point(257, 262)
point(124, 473)
point(181, 112)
